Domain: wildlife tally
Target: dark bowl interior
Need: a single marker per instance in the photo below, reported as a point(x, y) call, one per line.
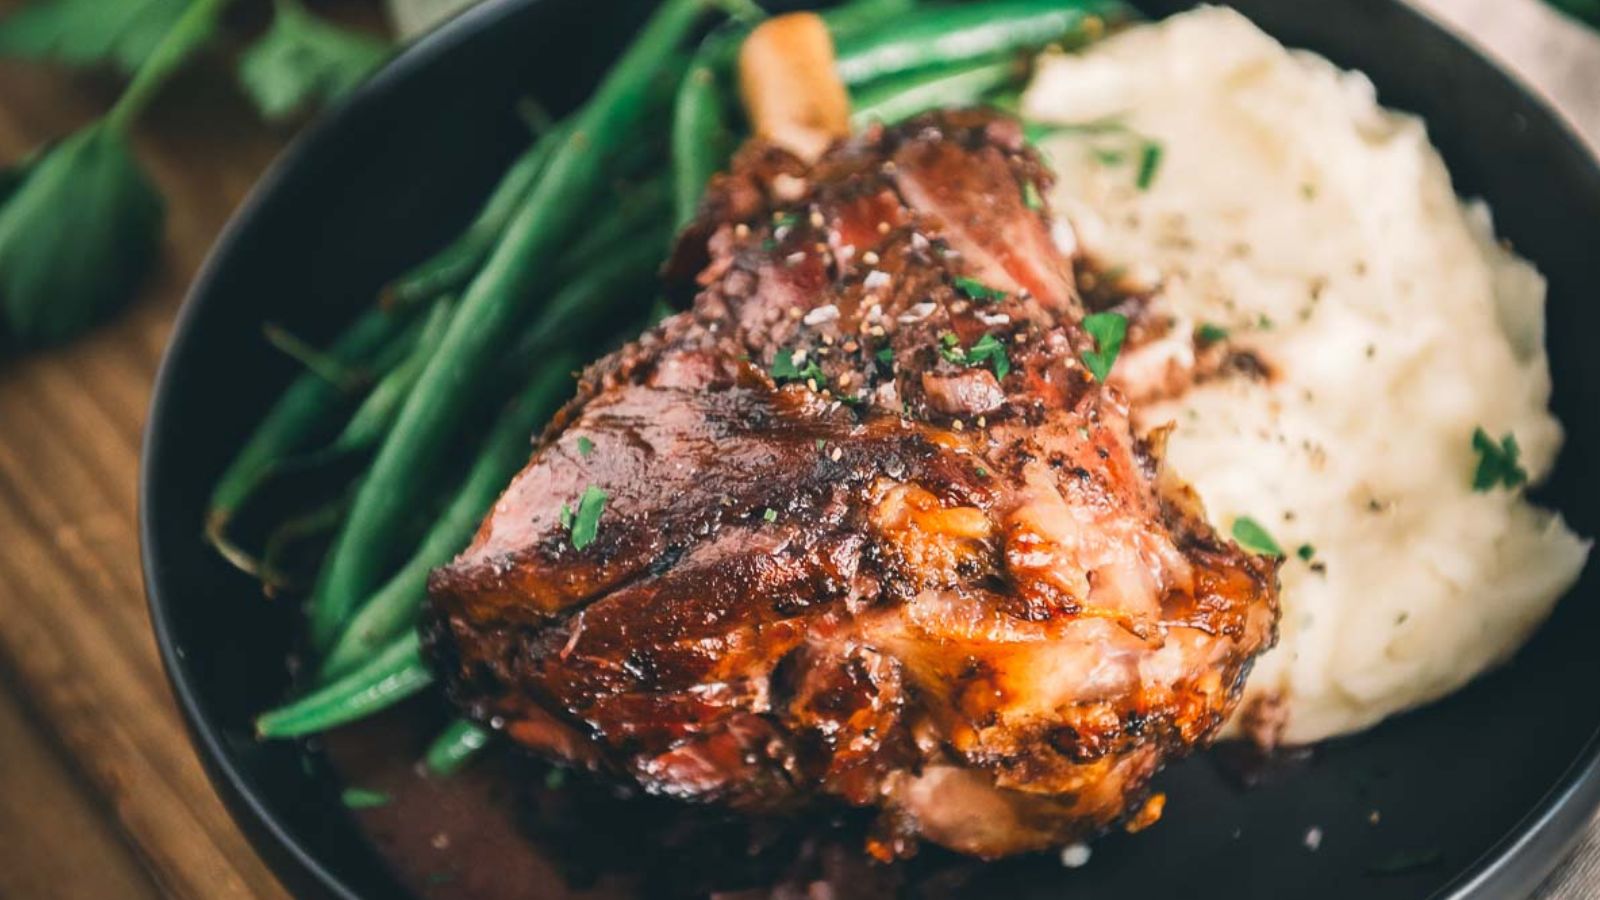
point(1486, 787)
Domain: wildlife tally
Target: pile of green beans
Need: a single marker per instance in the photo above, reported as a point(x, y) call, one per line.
point(536, 273)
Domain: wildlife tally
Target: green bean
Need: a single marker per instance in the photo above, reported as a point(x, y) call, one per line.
point(451, 268)
point(643, 206)
point(490, 309)
point(896, 99)
point(702, 139)
point(864, 15)
point(630, 268)
point(454, 746)
point(386, 679)
point(967, 32)
point(319, 521)
point(394, 607)
point(372, 418)
point(309, 404)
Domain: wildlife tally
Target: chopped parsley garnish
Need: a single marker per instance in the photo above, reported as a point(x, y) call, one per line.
point(785, 370)
point(785, 220)
point(555, 779)
point(585, 447)
point(1030, 196)
point(982, 472)
point(361, 798)
point(1306, 552)
point(1108, 330)
point(586, 521)
point(977, 290)
point(886, 355)
point(1497, 463)
point(1210, 334)
point(565, 517)
point(1149, 163)
point(1263, 322)
point(950, 348)
point(987, 349)
point(1251, 536)
point(771, 515)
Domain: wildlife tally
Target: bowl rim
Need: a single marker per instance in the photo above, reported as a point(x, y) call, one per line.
point(1515, 864)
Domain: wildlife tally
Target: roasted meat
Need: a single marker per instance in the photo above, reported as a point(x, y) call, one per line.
point(873, 534)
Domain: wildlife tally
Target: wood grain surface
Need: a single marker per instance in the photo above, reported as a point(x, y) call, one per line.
point(100, 793)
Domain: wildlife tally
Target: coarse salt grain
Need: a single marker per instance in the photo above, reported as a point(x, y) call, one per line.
point(1313, 838)
point(825, 313)
point(875, 279)
point(1075, 856)
point(918, 313)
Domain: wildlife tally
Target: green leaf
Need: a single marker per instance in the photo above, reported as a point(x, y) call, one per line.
point(1210, 334)
point(79, 226)
point(586, 521)
point(785, 370)
point(585, 447)
point(1108, 330)
point(977, 290)
point(987, 349)
point(89, 32)
point(304, 61)
point(1251, 536)
point(361, 798)
point(1497, 463)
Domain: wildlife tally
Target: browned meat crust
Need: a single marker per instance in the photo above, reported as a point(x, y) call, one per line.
point(915, 575)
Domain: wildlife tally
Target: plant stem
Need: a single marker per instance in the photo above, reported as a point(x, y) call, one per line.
point(192, 29)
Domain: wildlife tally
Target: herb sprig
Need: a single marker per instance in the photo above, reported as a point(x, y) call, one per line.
point(1109, 330)
point(987, 350)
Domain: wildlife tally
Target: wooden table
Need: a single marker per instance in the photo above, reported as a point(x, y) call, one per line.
point(100, 794)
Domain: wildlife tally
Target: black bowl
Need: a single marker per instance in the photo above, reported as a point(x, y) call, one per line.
point(1480, 793)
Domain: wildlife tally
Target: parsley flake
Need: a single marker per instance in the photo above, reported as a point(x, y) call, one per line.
point(771, 515)
point(1108, 330)
point(886, 355)
point(1305, 552)
point(586, 521)
point(1149, 163)
point(585, 447)
point(988, 349)
point(361, 798)
point(785, 370)
point(1497, 463)
point(1251, 536)
point(1030, 196)
point(977, 290)
point(1209, 333)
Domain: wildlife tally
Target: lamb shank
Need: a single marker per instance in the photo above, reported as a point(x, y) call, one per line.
point(872, 532)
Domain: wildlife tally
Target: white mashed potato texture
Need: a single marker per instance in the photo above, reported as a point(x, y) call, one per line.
point(1321, 231)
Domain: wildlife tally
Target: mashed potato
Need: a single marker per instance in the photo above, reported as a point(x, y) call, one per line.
point(1321, 231)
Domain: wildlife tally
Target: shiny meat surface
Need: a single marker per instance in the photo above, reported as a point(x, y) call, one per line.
point(873, 535)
